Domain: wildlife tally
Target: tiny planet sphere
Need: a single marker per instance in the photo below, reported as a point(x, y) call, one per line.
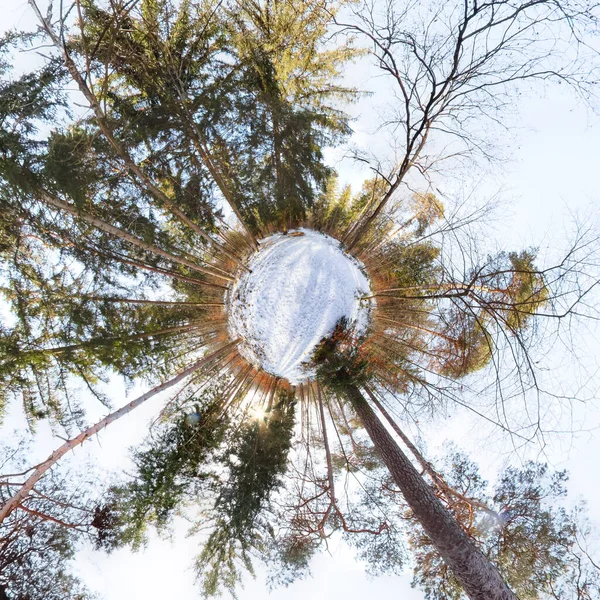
point(192, 418)
point(298, 288)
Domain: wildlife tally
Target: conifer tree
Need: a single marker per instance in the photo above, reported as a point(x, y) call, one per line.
point(117, 260)
point(538, 545)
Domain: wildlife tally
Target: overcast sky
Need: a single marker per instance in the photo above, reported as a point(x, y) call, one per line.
point(553, 173)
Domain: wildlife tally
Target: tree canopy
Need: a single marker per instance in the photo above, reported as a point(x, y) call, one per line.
point(124, 226)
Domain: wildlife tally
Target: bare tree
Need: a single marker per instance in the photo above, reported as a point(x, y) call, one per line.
point(456, 65)
point(38, 540)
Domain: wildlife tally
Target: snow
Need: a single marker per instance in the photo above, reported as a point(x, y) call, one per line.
point(301, 284)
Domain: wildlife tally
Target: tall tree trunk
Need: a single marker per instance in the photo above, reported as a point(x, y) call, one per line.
point(140, 265)
point(99, 341)
point(330, 480)
point(121, 151)
point(277, 161)
point(419, 328)
point(413, 151)
point(478, 576)
point(451, 494)
point(358, 229)
point(43, 467)
point(211, 164)
point(117, 299)
point(132, 239)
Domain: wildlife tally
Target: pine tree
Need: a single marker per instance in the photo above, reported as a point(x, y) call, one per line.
point(117, 260)
point(538, 545)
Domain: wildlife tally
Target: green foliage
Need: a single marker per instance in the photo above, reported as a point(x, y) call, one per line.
point(251, 86)
point(256, 460)
point(499, 301)
point(204, 459)
point(241, 97)
point(71, 165)
point(412, 264)
point(58, 337)
point(535, 543)
point(470, 349)
point(172, 468)
point(338, 360)
point(289, 75)
point(335, 210)
point(181, 75)
point(425, 209)
point(511, 288)
point(528, 291)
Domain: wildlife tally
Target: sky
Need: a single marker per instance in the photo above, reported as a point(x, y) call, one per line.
point(551, 174)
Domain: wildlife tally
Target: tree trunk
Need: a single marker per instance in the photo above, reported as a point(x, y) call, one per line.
point(99, 341)
point(478, 576)
point(357, 230)
point(117, 299)
point(209, 162)
point(354, 233)
point(121, 151)
point(449, 339)
point(140, 265)
point(41, 469)
point(450, 493)
point(277, 160)
point(132, 239)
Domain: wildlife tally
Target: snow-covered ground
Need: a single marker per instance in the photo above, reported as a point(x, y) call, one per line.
point(301, 284)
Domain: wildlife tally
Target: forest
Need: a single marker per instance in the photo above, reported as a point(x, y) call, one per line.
point(199, 243)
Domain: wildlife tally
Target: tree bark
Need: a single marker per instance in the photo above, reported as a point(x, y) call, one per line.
point(418, 328)
point(140, 265)
point(116, 299)
point(132, 239)
point(330, 480)
point(357, 230)
point(353, 235)
point(450, 493)
point(209, 162)
point(121, 151)
point(99, 341)
point(41, 469)
point(478, 576)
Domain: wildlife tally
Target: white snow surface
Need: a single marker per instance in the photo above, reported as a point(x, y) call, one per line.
point(299, 288)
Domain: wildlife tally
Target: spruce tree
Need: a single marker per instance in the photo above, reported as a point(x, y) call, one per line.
point(117, 260)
